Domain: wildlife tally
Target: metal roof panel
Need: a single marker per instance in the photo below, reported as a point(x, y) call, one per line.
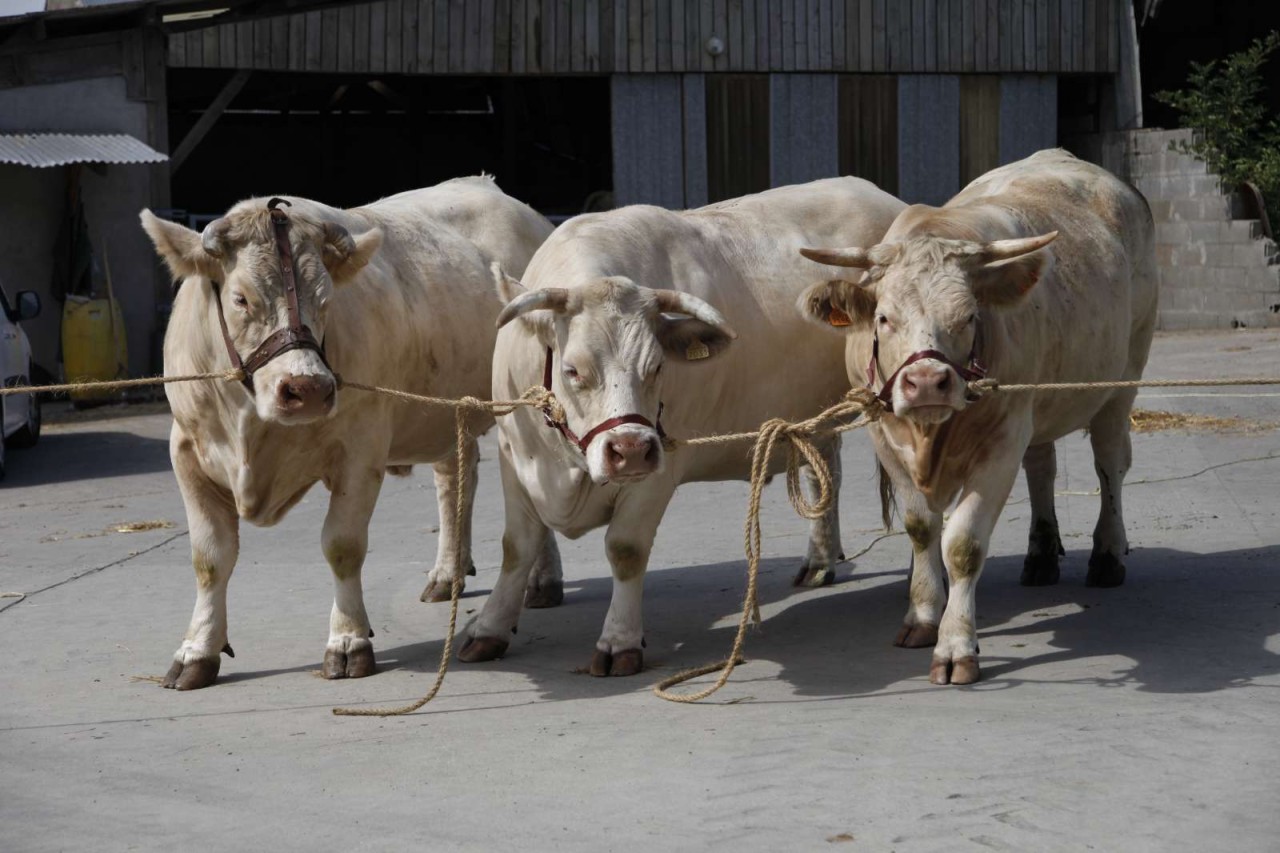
point(42, 150)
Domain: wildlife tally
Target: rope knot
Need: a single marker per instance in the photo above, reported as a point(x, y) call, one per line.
point(980, 387)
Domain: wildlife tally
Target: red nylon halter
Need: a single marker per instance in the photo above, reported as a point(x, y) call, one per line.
point(297, 335)
point(583, 443)
point(974, 371)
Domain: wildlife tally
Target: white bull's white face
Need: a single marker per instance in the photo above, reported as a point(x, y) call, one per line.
point(238, 255)
point(925, 294)
point(609, 342)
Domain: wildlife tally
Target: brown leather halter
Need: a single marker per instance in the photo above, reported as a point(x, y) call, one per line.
point(296, 335)
point(583, 443)
point(974, 371)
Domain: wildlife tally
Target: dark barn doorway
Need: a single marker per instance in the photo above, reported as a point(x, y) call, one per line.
point(347, 140)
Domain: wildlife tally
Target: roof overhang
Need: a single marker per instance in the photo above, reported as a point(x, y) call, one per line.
point(45, 150)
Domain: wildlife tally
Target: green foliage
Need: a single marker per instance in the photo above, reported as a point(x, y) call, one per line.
point(1236, 136)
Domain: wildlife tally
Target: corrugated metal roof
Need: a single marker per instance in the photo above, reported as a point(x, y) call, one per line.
point(61, 149)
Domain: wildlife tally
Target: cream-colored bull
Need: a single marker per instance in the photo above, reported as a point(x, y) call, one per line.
point(619, 310)
point(1041, 271)
point(401, 295)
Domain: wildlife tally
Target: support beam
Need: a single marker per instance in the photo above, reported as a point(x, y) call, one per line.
point(207, 120)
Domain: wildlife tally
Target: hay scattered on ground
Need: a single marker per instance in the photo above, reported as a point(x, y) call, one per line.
point(143, 526)
point(1154, 420)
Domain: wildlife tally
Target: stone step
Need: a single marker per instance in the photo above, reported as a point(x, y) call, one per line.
point(1156, 141)
point(1245, 254)
point(1167, 163)
point(1242, 231)
point(1168, 187)
point(1262, 280)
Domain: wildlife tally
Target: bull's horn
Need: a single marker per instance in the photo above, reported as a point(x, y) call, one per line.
point(340, 239)
point(852, 257)
point(214, 237)
point(676, 302)
point(1003, 250)
point(549, 299)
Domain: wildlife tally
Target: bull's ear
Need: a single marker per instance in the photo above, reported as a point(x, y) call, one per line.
point(532, 308)
point(181, 248)
point(344, 255)
point(839, 304)
point(1003, 272)
point(691, 339)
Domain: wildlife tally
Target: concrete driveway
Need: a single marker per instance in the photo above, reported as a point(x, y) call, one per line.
point(1141, 718)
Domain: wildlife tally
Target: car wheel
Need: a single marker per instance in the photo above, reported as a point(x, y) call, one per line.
point(29, 433)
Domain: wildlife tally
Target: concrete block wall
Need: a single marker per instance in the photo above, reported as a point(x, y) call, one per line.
point(1215, 271)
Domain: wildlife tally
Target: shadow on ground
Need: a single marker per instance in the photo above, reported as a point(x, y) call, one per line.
point(1182, 623)
point(64, 457)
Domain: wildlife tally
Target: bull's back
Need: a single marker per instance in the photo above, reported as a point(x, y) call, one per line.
point(1093, 315)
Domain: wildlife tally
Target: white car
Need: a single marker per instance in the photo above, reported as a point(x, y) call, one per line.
point(19, 413)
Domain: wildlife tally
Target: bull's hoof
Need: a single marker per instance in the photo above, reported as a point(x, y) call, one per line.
point(963, 670)
point(192, 676)
point(355, 663)
point(625, 662)
point(436, 592)
point(1040, 570)
point(549, 594)
point(1105, 570)
point(480, 649)
point(918, 636)
point(814, 576)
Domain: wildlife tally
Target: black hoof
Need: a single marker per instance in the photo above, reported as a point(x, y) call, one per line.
point(1105, 570)
point(813, 577)
point(1040, 570)
point(436, 592)
point(192, 676)
point(550, 594)
point(356, 664)
point(480, 649)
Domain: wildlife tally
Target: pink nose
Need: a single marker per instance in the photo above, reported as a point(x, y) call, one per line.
point(306, 396)
point(631, 454)
point(926, 385)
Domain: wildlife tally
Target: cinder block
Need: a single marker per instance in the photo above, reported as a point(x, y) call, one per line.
point(1248, 228)
point(1174, 232)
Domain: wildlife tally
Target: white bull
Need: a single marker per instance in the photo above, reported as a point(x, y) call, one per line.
point(1041, 271)
point(618, 312)
point(401, 295)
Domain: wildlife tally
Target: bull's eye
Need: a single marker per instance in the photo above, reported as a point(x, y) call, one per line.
point(571, 372)
point(239, 300)
point(882, 321)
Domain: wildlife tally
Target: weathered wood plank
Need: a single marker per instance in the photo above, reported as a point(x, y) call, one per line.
point(762, 35)
point(706, 23)
point(564, 28)
point(839, 42)
point(501, 39)
point(426, 35)
point(394, 30)
point(649, 36)
point(775, 62)
point(879, 36)
point(488, 22)
point(1028, 35)
point(967, 39)
point(471, 36)
point(369, 36)
point(607, 12)
point(720, 26)
point(591, 35)
point(980, 35)
point(825, 35)
point(440, 36)
point(692, 35)
point(533, 35)
point(734, 40)
point(1089, 59)
point(662, 33)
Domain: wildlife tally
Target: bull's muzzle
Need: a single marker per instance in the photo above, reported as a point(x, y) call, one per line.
point(304, 398)
point(631, 455)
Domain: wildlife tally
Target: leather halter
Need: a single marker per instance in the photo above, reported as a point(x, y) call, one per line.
point(974, 371)
point(294, 336)
point(583, 443)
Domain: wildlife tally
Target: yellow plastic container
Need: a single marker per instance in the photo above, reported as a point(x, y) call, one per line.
point(93, 344)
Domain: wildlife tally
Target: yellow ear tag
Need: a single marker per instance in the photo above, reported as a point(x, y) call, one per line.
point(697, 350)
point(838, 317)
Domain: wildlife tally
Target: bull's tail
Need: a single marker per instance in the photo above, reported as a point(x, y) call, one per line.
point(888, 499)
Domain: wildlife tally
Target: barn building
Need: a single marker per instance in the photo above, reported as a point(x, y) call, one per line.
point(573, 105)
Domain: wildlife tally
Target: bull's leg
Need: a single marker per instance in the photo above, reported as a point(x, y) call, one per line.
point(819, 567)
point(628, 543)
point(926, 589)
point(345, 539)
point(964, 548)
point(523, 542)
point(453, 550)
point(1044, 547)
point(215, 546)
point(546, 581)
point(1112, 458)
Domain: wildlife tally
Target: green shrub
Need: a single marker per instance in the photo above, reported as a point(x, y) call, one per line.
point(1236, 136)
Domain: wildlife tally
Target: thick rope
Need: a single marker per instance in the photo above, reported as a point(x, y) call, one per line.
point(858, 403)
point(118, 384)
point(983, 386)
point(466, 450)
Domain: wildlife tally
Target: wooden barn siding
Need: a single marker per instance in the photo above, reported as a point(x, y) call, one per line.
point(663, 36)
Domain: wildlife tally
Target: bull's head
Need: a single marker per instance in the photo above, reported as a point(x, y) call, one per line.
point(610, 340)
point(237, 257)
point(921, 298)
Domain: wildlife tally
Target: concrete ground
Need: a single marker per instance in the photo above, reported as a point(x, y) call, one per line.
point(1139, 718)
